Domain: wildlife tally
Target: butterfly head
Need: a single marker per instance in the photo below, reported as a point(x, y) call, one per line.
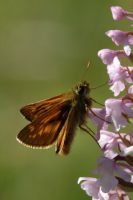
point(82, 88)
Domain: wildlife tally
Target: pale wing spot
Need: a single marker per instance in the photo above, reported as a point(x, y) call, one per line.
point(31, 128)
point(32, 136)
point(40, 132)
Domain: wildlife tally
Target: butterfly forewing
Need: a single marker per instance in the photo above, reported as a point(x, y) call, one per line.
point(46, 126)
point(33, 111)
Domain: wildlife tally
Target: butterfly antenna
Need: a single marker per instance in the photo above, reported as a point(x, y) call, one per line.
point(98, 86)
point(85, 72)
point(93, 88)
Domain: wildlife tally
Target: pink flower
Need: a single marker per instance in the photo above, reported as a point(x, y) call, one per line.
point(118, 75)
point(119, 13)
point(122, 38)
point(114, 144)
point(109, 169)
point(93, 189)
point(108, 55)
point(119, 111)
point(118, 194)
point(109, 143)
point(127, 151)
point(106, 167)
point(90, 185)
point(98, 117)
point(107, 186)
point(130, 90)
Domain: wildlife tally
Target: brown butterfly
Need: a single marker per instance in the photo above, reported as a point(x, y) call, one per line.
point(55, 119)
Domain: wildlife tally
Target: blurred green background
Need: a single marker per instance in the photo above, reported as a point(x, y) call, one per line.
point(44, 49)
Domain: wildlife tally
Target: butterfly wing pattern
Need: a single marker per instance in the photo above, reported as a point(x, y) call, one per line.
point(49, 122)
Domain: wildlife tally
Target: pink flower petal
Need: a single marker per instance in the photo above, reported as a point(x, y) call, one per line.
point(127, 151)
point(90, 185)
point(118, 13)
point(127, 50)
point(117, 87)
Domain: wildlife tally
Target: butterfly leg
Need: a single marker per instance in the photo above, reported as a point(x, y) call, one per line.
point(89, 131)
point(99, 117)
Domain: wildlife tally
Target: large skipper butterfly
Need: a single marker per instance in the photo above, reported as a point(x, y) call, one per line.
point(55, 120)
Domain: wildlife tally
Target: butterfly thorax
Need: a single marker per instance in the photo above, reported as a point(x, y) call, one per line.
point(81, 93)
point(81, 100)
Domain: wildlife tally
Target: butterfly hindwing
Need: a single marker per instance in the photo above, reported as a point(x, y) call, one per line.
point(67, 133)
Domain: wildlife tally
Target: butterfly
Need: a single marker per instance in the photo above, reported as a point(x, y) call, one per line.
point(54, 120)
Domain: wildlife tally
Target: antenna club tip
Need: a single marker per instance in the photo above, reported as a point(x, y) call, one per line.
point(88, 65)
